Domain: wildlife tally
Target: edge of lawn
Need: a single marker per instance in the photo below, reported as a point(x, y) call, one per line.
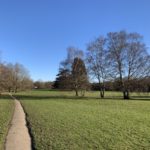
point(9, 123)
point(29, 127)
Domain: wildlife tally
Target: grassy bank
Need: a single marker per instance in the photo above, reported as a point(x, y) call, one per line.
point(6, 110)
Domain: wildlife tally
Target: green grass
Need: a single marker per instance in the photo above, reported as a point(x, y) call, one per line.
point(63, 122)
point(6, 109)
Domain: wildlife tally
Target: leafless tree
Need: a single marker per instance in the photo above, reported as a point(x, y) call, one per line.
point(128, 58)
point(14, 77)
point(19, 77)
point(97, 62)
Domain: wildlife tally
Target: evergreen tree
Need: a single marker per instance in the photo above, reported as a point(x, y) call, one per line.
point(79, 76)
point(63, 79)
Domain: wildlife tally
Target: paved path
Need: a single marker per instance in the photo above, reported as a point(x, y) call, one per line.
point(18, 137)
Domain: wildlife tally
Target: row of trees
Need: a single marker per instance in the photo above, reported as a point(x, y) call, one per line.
point(43, 84)
point(120, 56)
point(14, 77)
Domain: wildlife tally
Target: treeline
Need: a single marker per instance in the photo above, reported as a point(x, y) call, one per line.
point(14, 78)
point(141, 85)
point(43, 85)
point(120, 60)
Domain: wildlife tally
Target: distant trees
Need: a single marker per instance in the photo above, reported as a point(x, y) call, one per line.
point(14, 77)
point(43, 84)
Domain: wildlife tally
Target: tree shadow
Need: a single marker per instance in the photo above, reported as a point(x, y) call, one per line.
point(140, 98)
point(65, 97)
point(4, 97)
point(62, 97)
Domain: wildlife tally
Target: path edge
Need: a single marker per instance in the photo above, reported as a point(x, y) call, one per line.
point(9, 123)
point(29, 128)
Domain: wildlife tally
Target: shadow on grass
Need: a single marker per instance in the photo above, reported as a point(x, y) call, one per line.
point(4, 97)
point(140, 98)
point(59, 97)
point(63, 97)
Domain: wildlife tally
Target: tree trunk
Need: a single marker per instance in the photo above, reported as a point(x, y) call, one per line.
point(102, 93)
point(76, 92)
point(126, 94)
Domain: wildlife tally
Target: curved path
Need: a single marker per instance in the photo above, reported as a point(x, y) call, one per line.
point(18, 137)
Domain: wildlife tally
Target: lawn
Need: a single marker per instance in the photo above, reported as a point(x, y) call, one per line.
point(60, 121)
point(6, 110)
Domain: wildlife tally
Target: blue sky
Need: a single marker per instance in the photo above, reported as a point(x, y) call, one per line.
point(36, 33)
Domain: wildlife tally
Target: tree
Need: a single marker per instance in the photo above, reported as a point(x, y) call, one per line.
point(20, 74)
point(6, 78)
point(128, 58)
point(14, 77)
point(72, 53)
point(79, 76)
point(63, 80)
point(97, 62)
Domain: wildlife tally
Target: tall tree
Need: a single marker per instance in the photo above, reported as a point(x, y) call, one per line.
point(72, 53)
point(63, 79)
point(79, 76)
point(128, 58)
point(97, 62)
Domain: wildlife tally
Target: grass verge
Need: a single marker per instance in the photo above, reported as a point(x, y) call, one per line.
point(6, 111)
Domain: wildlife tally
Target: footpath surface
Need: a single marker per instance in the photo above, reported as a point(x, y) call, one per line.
point(18, 137)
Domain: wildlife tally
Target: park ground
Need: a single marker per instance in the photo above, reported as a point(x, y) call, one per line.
point(58, 120)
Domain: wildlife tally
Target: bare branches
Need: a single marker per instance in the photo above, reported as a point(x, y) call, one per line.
point(120, 55)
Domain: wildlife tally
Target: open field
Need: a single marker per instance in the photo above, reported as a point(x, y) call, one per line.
point(6, 109)
point(60, 121)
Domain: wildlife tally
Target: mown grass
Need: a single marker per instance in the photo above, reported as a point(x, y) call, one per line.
point(6, 110)
point(86, 123)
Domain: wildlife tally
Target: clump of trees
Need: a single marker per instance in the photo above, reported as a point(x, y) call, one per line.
point(14, 77)
point(72, 72)
point(119, 59)
point(119, 56)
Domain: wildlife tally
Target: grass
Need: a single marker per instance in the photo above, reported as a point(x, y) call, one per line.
point(6, 109)
point(60, 121)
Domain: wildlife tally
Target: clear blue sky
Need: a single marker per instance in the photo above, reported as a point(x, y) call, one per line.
point(36, 33)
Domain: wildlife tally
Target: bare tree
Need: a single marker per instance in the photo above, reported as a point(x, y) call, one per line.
point(128, 58)
point(19, 76)
point(14, 77)
point(6, 78)
point(97, 62)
